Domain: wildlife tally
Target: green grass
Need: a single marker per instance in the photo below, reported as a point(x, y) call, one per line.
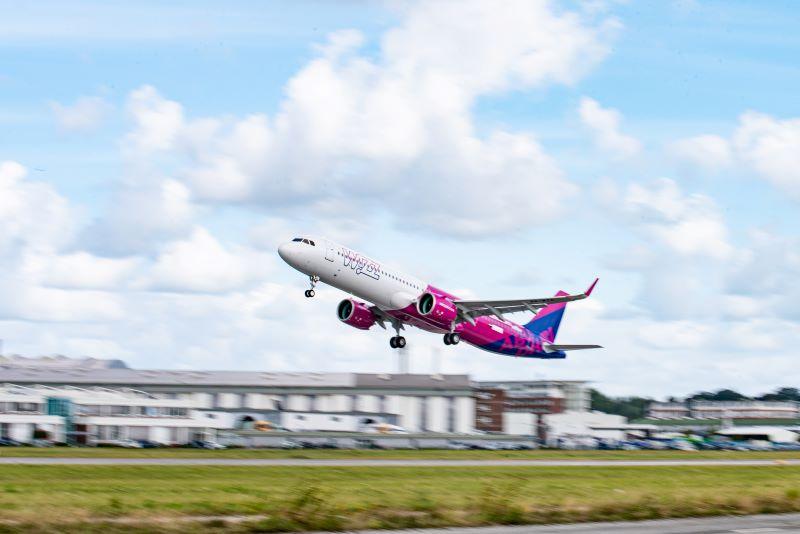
point(126, 498)
point(103, 452)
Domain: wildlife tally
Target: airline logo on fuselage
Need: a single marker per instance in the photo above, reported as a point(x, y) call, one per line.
point(360, 264)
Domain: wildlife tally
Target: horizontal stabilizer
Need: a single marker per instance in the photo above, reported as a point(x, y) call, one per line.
point(553, 347)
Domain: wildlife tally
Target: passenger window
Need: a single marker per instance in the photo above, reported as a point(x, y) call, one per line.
point(296, 240)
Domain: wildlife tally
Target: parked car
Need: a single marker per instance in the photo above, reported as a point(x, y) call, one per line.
point(41, 443)
point(8, 442)
point(290, 444)
point(786, 446)
point(681, 445)
point(457, 446)
point(205, 444)
point(124, 443)
point(148, 444)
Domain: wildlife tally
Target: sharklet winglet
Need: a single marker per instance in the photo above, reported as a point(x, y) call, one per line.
point(591, 287)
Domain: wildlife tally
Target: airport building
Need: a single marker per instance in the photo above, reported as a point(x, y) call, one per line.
point(296, 401)
point(91, 416)
point(702, 409)
point(512, 406)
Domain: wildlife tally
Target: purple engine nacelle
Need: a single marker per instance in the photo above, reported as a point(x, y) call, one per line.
point(438, 311)
point(355, 313)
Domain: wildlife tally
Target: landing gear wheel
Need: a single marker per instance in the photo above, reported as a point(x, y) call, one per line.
point(451, 338)
point(397, 342)
point(313, 279)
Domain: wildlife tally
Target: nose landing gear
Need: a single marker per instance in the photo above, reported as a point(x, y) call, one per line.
point(452, 338)
point(313, 279)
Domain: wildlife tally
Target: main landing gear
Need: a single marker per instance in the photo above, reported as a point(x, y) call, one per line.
point(452, 338)
point(398, 341)
point(314, 279)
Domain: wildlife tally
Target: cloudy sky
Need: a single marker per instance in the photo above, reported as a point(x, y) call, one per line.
point(152, 157)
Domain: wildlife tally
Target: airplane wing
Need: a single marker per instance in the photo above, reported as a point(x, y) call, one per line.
point(381, 317)
point(470, 309)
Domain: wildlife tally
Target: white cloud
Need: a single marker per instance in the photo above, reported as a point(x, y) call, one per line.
point(604, 124)
point(36, 224)
point(140, 216)
point(675, 335)
point(31, 213)
point(708, 152)
point(687, 224)
point(394, 130)
point(81, 270)
point(87, 113)
point(772, 148)
point(201, 264)
point(157, 121)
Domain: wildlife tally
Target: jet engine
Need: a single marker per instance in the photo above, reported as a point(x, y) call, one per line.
point(355, 313)
point(437, 310)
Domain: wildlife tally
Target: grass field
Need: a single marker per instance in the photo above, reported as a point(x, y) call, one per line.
point(148, 498)
point(101, 452)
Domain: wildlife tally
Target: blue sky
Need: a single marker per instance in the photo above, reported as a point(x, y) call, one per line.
point(155, 155)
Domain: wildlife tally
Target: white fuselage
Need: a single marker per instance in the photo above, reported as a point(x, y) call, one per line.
point(352, 272)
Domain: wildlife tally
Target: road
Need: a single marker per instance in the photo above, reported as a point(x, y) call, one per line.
point(385, 463)
point(752, 524)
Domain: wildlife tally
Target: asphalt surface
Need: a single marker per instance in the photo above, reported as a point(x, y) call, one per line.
point(385, 463)
point(752, 524)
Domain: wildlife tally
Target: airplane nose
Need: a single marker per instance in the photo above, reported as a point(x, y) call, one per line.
point(284, 251)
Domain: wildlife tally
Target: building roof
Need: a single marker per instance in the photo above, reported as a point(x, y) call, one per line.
point(58, 361)
point(535, 383)
point(148, 377)
point(412, 381)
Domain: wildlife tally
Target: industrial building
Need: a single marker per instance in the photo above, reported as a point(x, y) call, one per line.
point(704, 409)
point(516, 407)
point(296, 401)
point(106, 400)
point(93, 416)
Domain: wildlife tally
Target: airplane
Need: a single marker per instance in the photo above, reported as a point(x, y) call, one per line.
point(399, 299)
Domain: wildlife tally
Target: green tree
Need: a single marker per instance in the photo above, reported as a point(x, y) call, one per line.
point(630, 407)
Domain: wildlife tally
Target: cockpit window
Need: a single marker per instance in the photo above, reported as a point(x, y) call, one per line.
point(311, 243)
point(296, 240)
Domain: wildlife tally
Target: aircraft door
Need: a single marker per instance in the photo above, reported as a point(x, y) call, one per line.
point(329, 252)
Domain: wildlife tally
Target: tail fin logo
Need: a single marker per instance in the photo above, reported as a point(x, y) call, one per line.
point(545, 323)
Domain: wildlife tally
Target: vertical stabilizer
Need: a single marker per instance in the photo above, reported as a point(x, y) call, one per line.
point(545, 323)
